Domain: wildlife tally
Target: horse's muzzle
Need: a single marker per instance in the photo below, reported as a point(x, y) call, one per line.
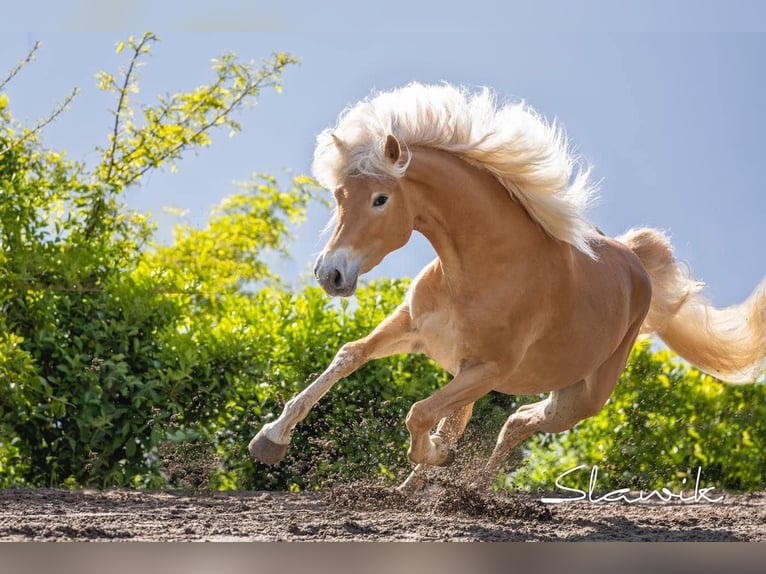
point(338, 272)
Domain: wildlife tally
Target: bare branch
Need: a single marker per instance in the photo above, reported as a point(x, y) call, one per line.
point(100, 204)
point(21, 65)
point(42, 123)
point(123, 100)
point(254, 87)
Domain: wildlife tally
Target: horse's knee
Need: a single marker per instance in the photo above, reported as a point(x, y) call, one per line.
point(349, 354)
point(419, 420)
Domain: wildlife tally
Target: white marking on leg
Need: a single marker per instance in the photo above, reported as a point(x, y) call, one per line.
point(300, 405)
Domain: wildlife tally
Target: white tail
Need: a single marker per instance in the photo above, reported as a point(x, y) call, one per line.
point(729, 343)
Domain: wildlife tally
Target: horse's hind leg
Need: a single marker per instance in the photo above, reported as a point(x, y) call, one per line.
point(559, 412)
point(450, 428)
point(562, 409)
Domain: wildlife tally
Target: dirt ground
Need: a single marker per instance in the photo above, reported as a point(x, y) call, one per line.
point(365, 513)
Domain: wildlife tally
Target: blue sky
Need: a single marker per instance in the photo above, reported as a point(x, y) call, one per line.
point(664, 99)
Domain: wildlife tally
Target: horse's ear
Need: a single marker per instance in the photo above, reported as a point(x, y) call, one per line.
point(338, 142)
point(392, 150)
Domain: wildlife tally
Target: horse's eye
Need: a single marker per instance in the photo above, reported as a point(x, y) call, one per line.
point(379, 201)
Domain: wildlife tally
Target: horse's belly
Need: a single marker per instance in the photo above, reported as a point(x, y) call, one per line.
point(535, 380)
point(550, 365)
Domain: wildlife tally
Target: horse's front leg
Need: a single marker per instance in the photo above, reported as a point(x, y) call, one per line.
point(467, 387)
point(393, 336)
point(450, 428)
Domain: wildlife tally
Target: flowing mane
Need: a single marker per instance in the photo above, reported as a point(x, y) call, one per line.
point(527, 155)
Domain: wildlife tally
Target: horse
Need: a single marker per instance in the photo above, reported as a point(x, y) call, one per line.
point(525, 295)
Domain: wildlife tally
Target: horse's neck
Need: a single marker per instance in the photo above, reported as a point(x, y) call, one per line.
point(467, 215)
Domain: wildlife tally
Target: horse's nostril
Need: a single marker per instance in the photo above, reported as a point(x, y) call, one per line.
point(337, 279)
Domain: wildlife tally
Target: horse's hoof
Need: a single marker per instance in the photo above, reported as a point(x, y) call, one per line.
point(414, 482)
point(408, 489)
point(264, 450)
point(447, 453)
point(449, 459)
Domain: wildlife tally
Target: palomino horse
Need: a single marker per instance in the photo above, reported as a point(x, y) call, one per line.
point(525, 296)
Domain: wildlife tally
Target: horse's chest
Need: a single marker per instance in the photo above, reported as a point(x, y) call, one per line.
point(438, 336)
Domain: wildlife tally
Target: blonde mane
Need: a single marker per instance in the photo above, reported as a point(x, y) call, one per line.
point(527, 155)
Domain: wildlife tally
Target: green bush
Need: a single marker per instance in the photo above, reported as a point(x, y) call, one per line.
point(663, 422)
point(84, 412)
point(19, 379)
point(84, 382)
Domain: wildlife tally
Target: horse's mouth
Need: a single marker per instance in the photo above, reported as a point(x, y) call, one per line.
point(338, 273)
point(345, 290)
point(337, 285)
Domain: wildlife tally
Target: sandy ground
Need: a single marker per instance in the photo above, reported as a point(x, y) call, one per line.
point(365, 513)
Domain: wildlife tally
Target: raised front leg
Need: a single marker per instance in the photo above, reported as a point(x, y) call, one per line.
point(391, 337)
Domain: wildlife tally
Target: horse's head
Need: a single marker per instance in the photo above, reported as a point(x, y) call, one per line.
point(373, 219)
